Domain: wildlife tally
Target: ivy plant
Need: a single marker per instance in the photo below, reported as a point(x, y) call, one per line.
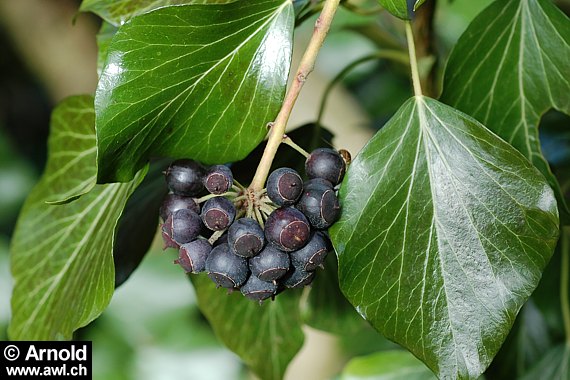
point(449, 216)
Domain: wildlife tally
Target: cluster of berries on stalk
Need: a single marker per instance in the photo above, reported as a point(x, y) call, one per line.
point(258, 242)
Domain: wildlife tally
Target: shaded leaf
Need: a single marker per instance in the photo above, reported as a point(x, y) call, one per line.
point(266, 337)
point(117, 12)
point(398, 8)
point(444, 233)
point(554, 366)
point(61, 255)
point(387, 365)
point(192, 81)
point(509, 67)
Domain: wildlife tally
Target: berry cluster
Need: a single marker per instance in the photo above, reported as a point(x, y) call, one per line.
point(260, 243)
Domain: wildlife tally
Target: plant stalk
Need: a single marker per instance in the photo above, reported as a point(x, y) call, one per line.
point(306, 66)
point(413, 60)
point(564, 281)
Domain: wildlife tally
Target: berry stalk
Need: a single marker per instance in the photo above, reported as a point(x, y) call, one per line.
point(322, 26)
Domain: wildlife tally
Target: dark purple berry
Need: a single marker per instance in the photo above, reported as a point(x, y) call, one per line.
point(270, 264)
point(173, 202)
point(257, 289)
point(284, 186)
point(317, 182)
point(287, 229)
point(320, 205)
point(184, 177)
point(226, 269)
point(218, 179)
point(181, 227)
point(325, 163)
point(192, 256)
point(245, 237)
point(218, 213)
point(311, 255)
point(297, 278)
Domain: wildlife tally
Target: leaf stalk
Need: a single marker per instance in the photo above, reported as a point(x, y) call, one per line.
point(413, 60)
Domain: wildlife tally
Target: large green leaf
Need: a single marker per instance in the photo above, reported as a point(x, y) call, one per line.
point(117, 12)
point(104, 37)
point(387, 365)
point(444, 233)
point(198, 81)
point(510, 66)
point(62, 255)
point(266, 337)
point(554, 366)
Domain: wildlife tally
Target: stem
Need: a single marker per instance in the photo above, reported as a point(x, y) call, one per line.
point(564, 281)
point(210, 196)
point(393, 55)
point(306, 66)
point(413, 60)
point(287, 140)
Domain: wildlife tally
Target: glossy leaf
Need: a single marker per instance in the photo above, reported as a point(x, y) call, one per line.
point(104, 37)
point(511, 66)
point(444, 233)
point(398, 8)
point(387, 365)
point(554, 366)
point(73, 165)
point(61, 255)
point(117, 12)
point(266, 337)
point(192, 81)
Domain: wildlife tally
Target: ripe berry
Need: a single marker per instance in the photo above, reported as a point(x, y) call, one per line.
point(192, 256)
point(218, 213)
point(218, 179)
point(181, 227)
point(297, 278)
point(270, 264)
point(325, 163)
point(257, 289)
point(284, 186)
point(287, 229)
point(317, 182)
point(184, 177)
point(245, 237)
point(173, 202)
point(226, 269)
point(311, 255)
point(320, 205)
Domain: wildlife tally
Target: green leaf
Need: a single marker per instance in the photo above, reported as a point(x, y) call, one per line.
point(554, 366)
point(266, 337)
point(192, 81)
point(398, 8)
point(61, 255)
point(387, 365)
point(73, 163)
point(444, 233)
point(117, 12)
point(104, 37)
point(509, 67)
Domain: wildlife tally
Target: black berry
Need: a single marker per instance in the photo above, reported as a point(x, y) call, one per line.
point(317, 182)
point(181, 227)
point(257, 289)
point(226, 269)
point(325, 163)
point(297, 278)
point(192, 256)
point(245, 237)
point(287, 229)
point(270, 264)
point(173, 202)
point(320, 205)
point(184, 177)
point(218, 213)
point(284, 186)
point(218, 179)
point(311, 255)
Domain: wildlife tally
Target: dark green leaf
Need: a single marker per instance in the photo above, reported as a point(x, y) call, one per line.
point(117, 12)
point(61, 255)
point(137, 226)
point(444, 234)
point(554, 366)
point(104, 37)
point(510, 66)
point(387, 365)
point(266, 337)
point(398, 8)
point(192, 81)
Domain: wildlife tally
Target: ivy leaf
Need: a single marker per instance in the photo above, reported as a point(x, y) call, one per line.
point(509, 68)
point(444, 233)
point(74, 166)
point(192, 81)
point(398, 8)
point(104, 37)
point(266, 337)
point(62, 255)
point(387, 365)
point(554, 366)
point(117, 12)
